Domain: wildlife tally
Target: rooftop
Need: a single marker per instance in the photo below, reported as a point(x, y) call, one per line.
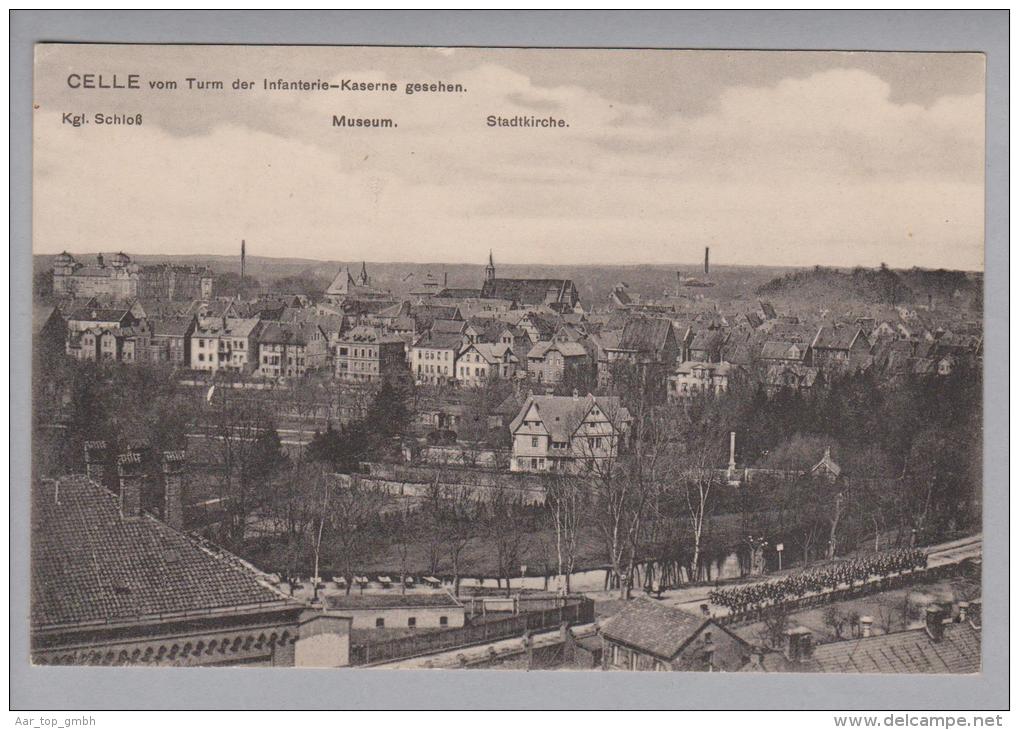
point(90, 565)
point(369, 601)
point(653, 628)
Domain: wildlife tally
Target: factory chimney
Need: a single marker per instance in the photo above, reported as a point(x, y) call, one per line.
point(707, 251)
point(242, 262)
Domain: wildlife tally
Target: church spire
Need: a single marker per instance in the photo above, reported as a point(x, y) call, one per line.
point(490, 269)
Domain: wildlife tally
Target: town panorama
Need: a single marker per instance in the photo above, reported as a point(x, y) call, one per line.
point(248, 460)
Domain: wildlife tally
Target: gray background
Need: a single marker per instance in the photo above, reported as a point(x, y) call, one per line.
point(78, 688)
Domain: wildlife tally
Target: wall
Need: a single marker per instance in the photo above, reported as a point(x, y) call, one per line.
point(396, 618)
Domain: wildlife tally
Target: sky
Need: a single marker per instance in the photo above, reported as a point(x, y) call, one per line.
point(778, 158)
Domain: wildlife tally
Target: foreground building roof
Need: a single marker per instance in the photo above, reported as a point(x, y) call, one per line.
point(90, 565)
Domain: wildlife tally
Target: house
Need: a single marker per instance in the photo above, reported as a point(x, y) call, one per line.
point(483, 360)
point(707, 345)
point(87, 318)
point(792, 376)
point(170, 340)
point(225, 343)
point(433, 357)
point(644, 342)
point(395, 610)
point(559, 294)
point(839, 346)
point(693, 377)
point(291, 350)
point(366, 355)
point(567, 433)
point(647, 636)
point(149, 594)
point(552, 362)
point(778, 351)
point(827, 468)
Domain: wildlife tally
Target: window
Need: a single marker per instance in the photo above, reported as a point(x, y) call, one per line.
point(412, 623)
point(201, 357)
point(380, 623)
point(534, 442)
point(443, 620)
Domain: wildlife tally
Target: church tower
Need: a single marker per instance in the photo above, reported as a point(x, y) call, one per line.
point(490, 269)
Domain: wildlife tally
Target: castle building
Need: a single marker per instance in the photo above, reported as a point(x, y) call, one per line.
point(120, 278)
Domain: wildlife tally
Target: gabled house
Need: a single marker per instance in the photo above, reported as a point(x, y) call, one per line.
point(567, 433)
point(693, 377)
point(839, 346)
point(481, 361)
point(433, 357)
point(551, 362)
point(644, 342)
point(647, 636)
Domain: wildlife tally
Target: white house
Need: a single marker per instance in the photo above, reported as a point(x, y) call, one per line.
point(567, 433)
point(483, 360)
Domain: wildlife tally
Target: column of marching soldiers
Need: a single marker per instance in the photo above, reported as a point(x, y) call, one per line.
point(849, 572)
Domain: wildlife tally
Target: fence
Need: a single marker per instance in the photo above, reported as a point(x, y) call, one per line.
point(846, 593)
point(578, 611)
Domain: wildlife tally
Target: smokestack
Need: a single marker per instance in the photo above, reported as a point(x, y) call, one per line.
point(679, 282)
point(173, 488)
point(445, 279)
point(242, 261)
point(95, 461)
point(707, 251)
point(129, 471)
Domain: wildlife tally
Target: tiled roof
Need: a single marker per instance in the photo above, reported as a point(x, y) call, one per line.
point(461, 293)
point(904, 652)
point(776, 350)
point(454, 326)
point(440, 340)
point(170, 326)
point(567, 349)
point(525, 291)
point(354, 602)
point(89, 564)
point(653, 628)
point(644, 334)
point(562, 414)
point(99, 314)
point(836, 338)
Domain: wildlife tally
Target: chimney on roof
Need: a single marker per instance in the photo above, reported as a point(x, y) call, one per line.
point(173, 488)
point(865, 625)
point(935, 622)
point(576, 394)
point(963, 611)
point(95, 461)
point(799, 644)
point(130, 474)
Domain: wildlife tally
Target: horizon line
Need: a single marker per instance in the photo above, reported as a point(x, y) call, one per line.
point(697, 264)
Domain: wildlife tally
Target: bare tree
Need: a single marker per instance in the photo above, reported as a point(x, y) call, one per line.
point(564, 497)
point(354, 508)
